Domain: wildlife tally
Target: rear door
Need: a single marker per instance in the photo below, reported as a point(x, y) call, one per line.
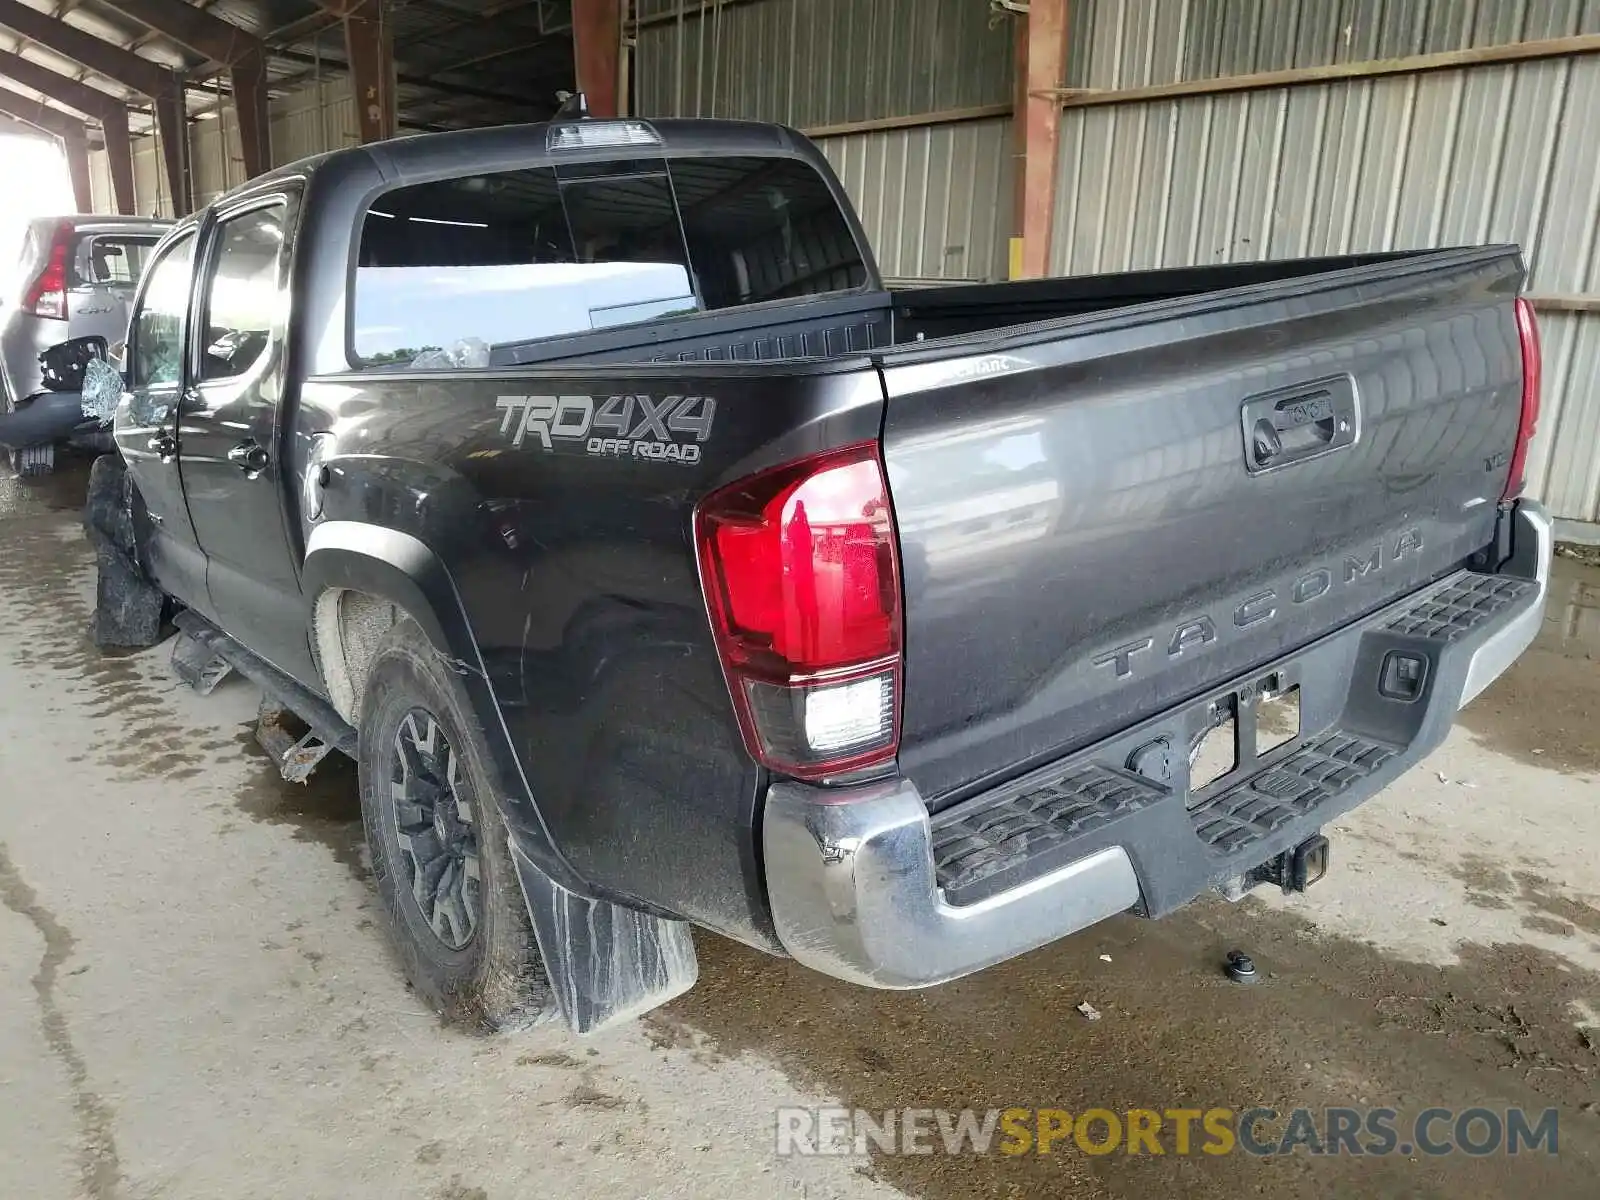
point(1106, 518)
point(232, 474)
point(146, 418)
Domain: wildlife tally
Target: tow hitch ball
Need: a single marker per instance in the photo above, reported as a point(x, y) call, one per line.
point(1293, 870)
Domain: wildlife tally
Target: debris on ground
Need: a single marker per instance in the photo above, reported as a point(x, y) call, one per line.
point(1241, 968)
point(1089, 1011)
point(1105, 958)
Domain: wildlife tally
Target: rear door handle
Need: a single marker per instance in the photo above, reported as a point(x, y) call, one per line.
point(250, 457)
point(1292, 424)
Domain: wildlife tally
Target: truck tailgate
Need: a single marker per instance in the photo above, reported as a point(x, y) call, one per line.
point(1107, 515)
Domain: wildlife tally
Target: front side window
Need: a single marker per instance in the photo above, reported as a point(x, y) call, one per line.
point(544, 252)
point(157, 333)
point(242, 293)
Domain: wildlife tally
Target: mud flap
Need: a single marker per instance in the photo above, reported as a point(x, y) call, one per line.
point(607, 964)
point(127, 609)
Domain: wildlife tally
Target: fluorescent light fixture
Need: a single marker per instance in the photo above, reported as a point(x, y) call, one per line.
point(442, 221)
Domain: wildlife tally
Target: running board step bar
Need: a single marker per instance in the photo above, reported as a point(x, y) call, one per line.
point(204, 650)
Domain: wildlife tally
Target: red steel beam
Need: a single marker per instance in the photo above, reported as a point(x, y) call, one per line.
point(1043, 70)
point(597, 52)
point(369, 47)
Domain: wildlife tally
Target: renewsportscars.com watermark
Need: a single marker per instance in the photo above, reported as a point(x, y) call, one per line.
point(1475, 1132)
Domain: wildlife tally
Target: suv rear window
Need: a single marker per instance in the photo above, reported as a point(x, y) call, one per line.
point(521, 255)
point(111, 260)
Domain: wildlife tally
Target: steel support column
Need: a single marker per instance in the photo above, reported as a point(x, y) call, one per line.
point(76, 148)
point(369, 46)
point(1043, 47)
point(249, 82)
point(597, 52)
point(172, 126)
point(119, 157)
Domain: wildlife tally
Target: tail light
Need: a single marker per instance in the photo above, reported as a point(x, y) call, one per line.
point(802, 581)
point(46, 296)
point(1528, 336)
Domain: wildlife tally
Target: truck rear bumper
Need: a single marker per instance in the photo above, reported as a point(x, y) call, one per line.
point(866, 886)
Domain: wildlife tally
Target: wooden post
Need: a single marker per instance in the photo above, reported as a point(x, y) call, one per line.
point(1042, 44)
point(597, 52)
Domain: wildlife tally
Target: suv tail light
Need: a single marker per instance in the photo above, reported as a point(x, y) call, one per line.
point(1532, 361)
point(46, 296)
point(802, 580)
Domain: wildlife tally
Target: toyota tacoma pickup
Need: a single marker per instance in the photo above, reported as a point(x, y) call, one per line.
point(660, 568)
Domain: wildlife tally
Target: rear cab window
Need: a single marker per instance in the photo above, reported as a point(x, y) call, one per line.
point(512, 257)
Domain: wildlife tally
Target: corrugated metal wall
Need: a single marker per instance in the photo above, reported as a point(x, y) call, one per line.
point(935, 199)
point(1484, 154)
point(810, 63)
point(1136, 43)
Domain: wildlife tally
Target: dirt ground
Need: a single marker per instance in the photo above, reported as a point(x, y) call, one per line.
point(195, 1001)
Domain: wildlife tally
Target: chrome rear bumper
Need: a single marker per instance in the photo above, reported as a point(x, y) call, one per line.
point(854, 875)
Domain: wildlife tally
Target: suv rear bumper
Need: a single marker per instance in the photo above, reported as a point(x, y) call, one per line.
point(866, 886)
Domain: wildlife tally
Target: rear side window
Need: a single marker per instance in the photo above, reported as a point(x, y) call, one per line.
point(518, 256)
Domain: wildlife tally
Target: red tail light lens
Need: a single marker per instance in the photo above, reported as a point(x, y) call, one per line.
point(802, 582)
point(1532, 363)
point(46, 296)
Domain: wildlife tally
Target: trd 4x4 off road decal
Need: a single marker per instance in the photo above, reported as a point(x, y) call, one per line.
point(639, 426)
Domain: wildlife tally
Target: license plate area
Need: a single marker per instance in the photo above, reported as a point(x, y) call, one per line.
point(1238, 733)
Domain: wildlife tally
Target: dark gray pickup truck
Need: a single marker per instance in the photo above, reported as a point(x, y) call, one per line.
point(660, 568)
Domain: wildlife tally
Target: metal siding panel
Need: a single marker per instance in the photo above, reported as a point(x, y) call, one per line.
point(1220, 176)
point(1304, 139)
point(1480, 153)
point(1179, 247)
point(1428, 166)
point(1389, 120)
point(1260, 174)
point(1148, 204)
point(1563, 467)
point(1567, 260)
point(935, 201)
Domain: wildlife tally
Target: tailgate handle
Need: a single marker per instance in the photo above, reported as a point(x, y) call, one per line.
point(1293, 424)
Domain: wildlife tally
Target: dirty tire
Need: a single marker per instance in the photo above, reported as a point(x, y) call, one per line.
point(495, 981)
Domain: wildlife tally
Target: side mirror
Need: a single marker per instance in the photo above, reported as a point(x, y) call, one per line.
point(65, 362)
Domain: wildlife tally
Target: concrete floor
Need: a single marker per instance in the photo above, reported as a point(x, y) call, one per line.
point(195, 1000)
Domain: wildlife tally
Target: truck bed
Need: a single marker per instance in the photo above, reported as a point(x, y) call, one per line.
point(836, 327)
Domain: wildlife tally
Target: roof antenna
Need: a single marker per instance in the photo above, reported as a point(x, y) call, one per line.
point(574, 107)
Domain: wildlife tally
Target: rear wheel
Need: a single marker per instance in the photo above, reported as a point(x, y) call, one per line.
point(438, 842)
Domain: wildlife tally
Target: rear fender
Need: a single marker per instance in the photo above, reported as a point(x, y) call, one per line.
point(396, 567)
point(607, 963)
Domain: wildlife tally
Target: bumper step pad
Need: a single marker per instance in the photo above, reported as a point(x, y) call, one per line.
point(1281, 794)
point(1460, 606)
point(1038, 815)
